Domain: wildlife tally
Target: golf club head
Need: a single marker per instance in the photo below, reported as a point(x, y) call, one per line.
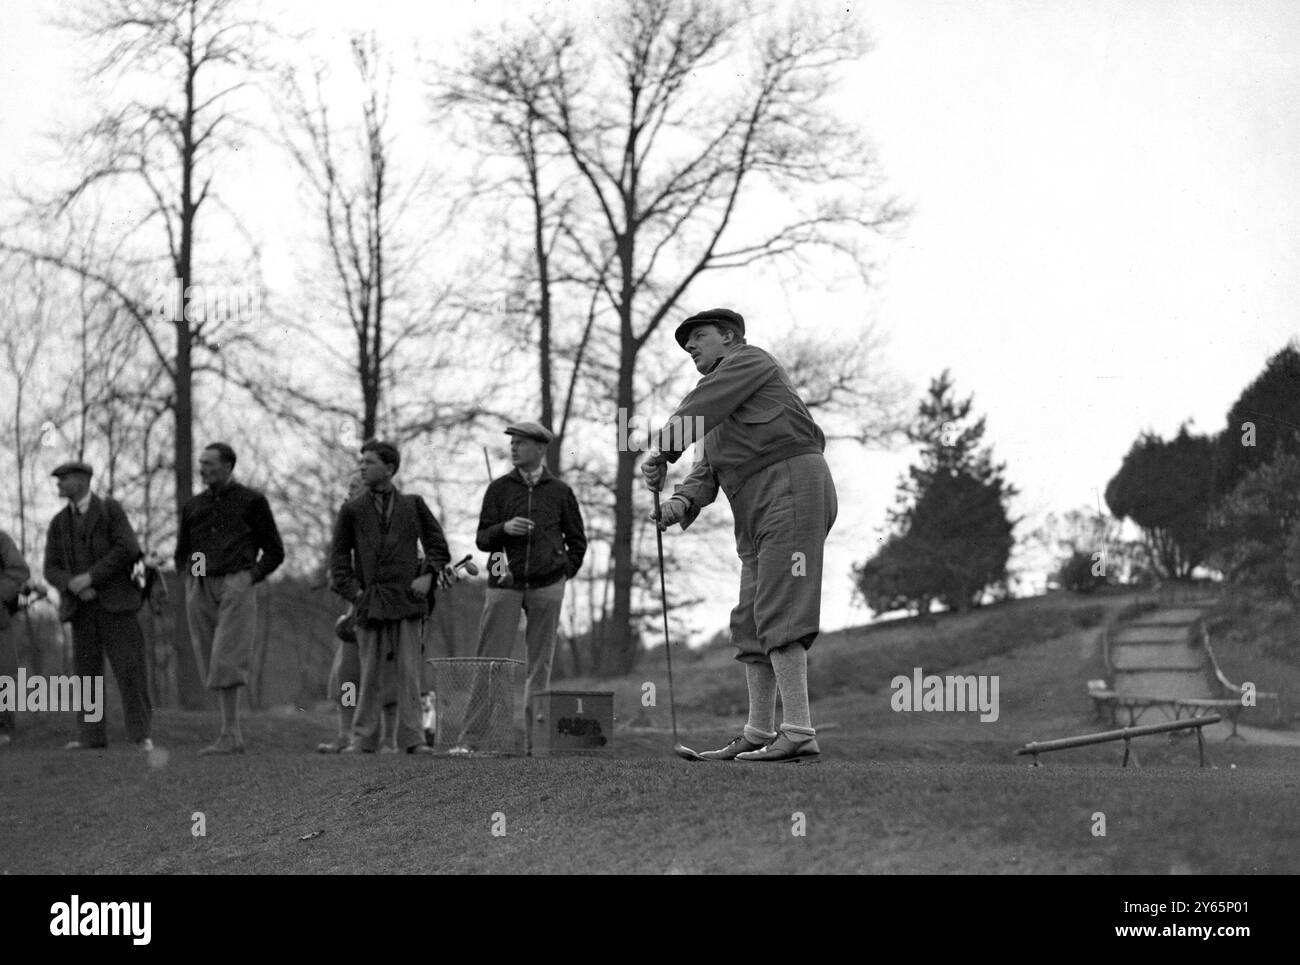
point(685, 753)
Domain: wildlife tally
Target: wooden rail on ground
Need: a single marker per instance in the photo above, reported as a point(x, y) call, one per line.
point(1125, 734)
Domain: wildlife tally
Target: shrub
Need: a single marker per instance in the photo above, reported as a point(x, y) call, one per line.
point(1079, 573)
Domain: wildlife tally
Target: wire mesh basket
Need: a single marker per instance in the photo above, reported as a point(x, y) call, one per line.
point(474, 701)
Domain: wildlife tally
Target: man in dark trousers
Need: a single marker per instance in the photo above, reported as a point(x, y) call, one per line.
point(376, 565)
point(90, 550)
point(758, 443)
point(532, 526)
point(13, 578)
point(227, 543)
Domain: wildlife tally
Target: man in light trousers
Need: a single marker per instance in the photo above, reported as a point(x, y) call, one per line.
point(762, 448)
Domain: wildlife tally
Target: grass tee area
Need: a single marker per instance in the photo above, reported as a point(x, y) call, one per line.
point(895, 792)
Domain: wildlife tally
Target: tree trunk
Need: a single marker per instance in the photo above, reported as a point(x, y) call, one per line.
point(620, 653)
point(189, 686)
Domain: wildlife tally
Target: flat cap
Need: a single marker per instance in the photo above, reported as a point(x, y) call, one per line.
point(714, 316)
point(531, 430)
point(75, 466)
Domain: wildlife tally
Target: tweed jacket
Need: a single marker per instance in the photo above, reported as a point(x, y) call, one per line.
point(113, 550)
point(374, 568)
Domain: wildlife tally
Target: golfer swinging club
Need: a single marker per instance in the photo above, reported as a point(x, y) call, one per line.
point(763, 449)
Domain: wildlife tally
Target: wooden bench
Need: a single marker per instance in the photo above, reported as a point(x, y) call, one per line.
point(1230, 703)
point(1137, 704)
point(1125, 734)
point(1236, 690)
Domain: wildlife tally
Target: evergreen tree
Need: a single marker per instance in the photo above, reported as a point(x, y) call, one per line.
point(1263, 423)
point(1256, 528)
point(952, 535)
point(1167, 489)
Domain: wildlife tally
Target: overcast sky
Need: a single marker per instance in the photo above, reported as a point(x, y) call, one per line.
point(1104, 229)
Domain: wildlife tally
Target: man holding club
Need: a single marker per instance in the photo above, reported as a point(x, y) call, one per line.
point(762, 448)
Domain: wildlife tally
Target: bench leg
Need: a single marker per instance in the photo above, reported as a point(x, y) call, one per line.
point(1236, 712)
point(1129, 752)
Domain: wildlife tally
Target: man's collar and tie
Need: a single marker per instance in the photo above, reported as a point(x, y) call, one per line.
point(382, 499)
point(534, 477)
point(81, 506)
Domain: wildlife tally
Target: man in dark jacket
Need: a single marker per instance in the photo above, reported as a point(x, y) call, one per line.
point(532, 526)
point(376, 565)
point(345, 672)
point(90, 550)
point(13, 577)
point(227, 543)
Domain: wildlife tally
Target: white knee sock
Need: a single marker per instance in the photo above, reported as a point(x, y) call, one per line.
point(790, 667)
point(762, 703)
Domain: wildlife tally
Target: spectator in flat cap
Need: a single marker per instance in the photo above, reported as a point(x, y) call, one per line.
point(90, 551)
point(75, 466)
point(227, 543)
point(763, 449)
point(532, 526)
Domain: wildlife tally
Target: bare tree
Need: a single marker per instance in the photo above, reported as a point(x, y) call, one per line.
point(197, 54)
point(499, 92)
point(24, 303)
point(178, 68)
point(843, 382)
point(667, 147)
point(375, 222)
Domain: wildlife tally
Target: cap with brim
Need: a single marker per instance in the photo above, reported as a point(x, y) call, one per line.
point(74, 466)
point(531, 430)
point(714, 316)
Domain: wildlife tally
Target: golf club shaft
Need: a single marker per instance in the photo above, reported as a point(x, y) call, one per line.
point(663, 598)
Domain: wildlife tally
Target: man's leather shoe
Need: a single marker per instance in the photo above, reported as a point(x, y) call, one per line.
point(736, 746)
point(784, 749)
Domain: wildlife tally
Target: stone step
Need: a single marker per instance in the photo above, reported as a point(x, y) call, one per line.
point(1161, 683)
point(1156, 656)
point(1154, 634)
point(1169, 615)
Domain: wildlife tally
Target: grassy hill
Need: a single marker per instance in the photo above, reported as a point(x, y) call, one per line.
point(895, 792)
